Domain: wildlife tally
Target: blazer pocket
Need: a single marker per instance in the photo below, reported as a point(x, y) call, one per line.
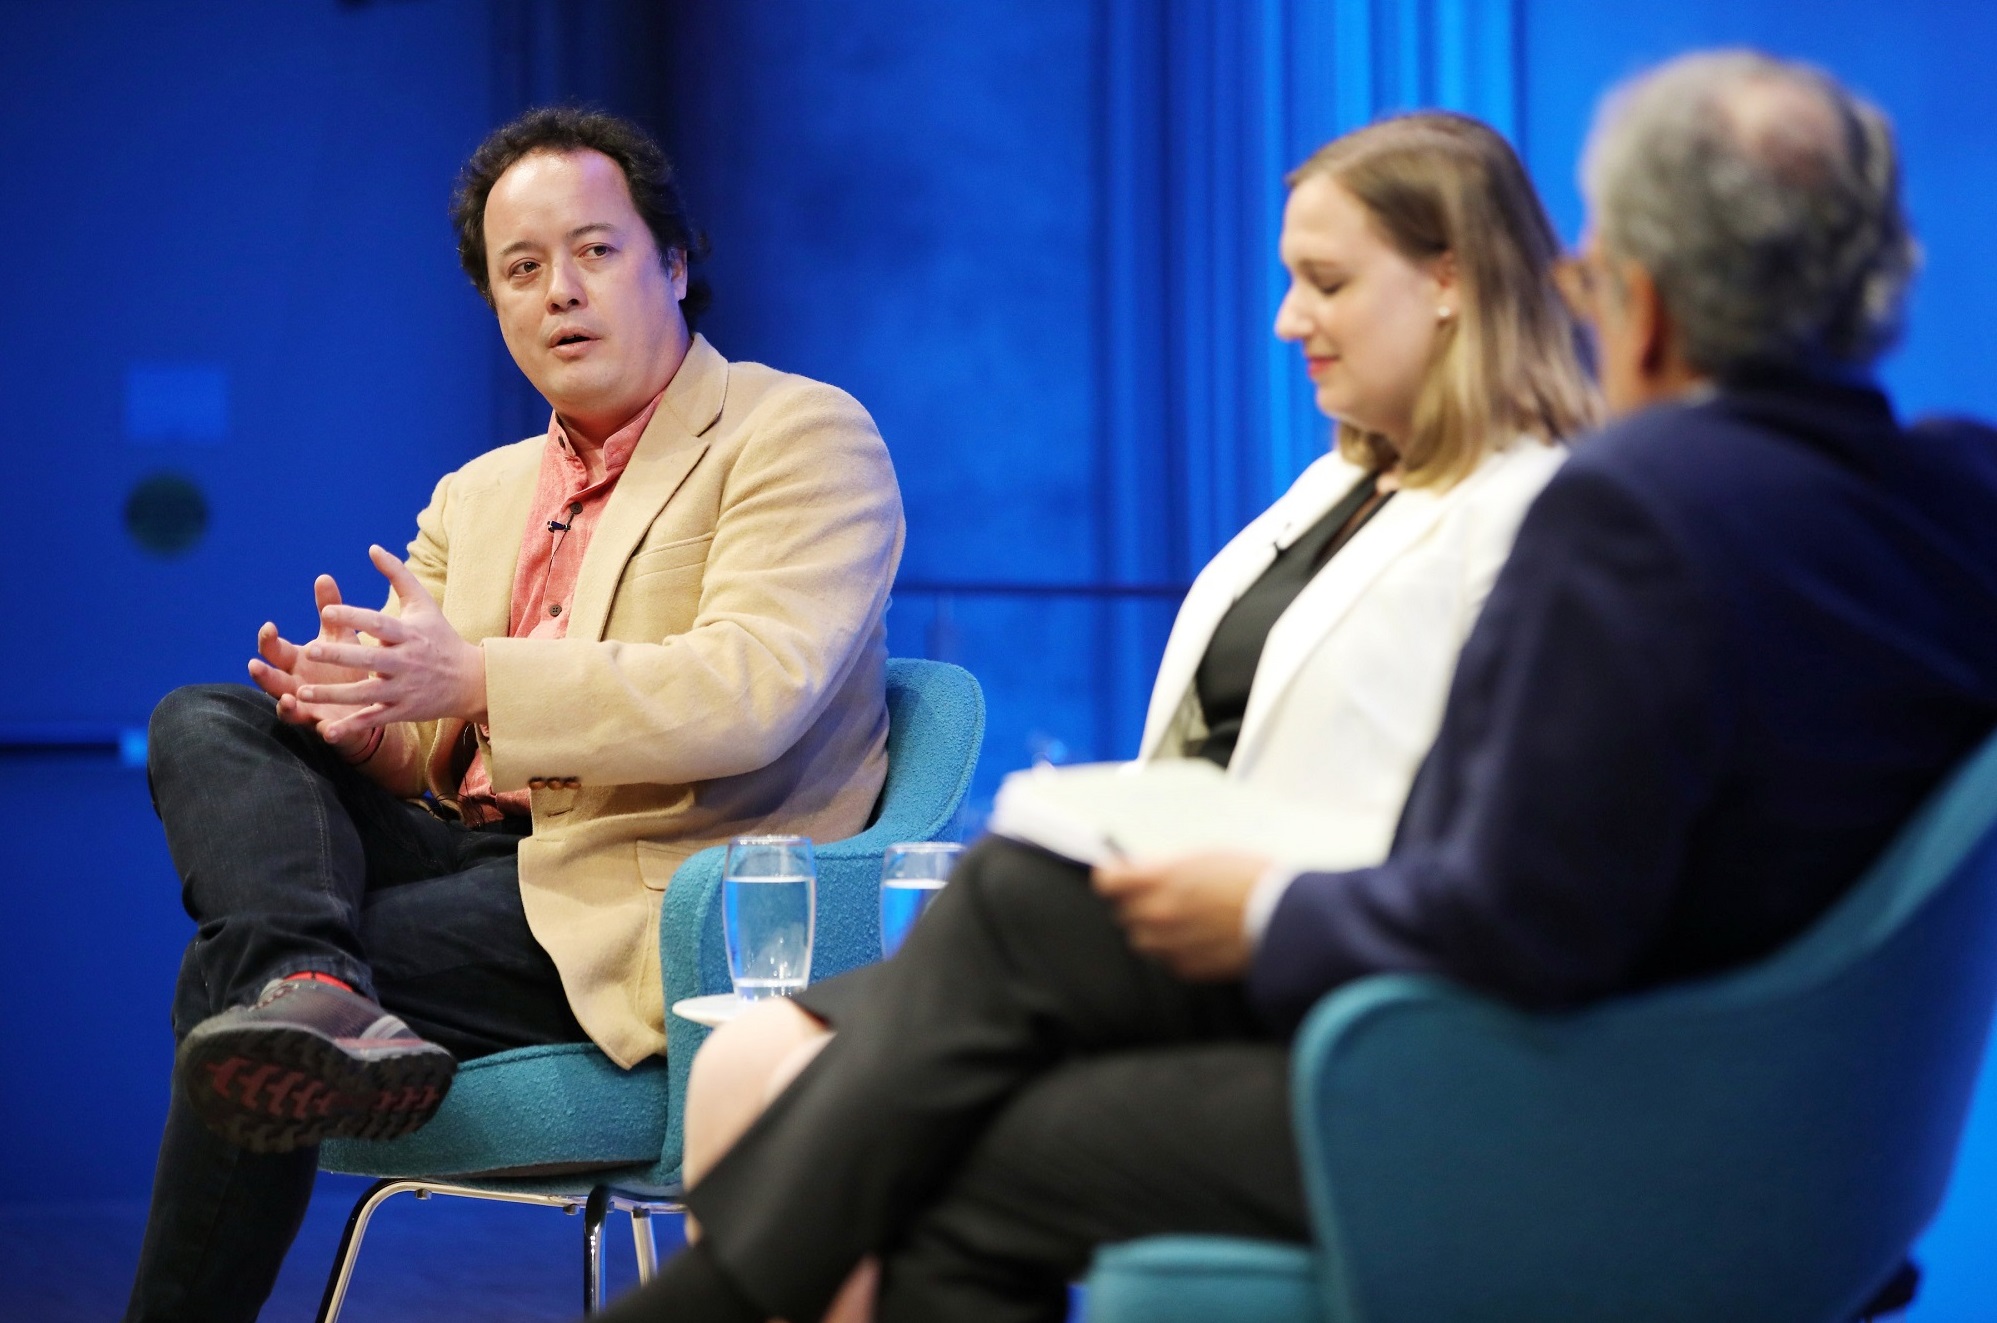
point(657, 864)
point(552, 801)
point(672, 556)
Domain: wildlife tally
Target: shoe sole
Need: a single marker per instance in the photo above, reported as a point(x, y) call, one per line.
point(273, 1088)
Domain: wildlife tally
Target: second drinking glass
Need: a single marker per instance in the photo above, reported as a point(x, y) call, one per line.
point(911, 875)
point(768, 912)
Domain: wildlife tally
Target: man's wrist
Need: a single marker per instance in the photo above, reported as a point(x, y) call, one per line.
point(368, 747)
point(476, 710)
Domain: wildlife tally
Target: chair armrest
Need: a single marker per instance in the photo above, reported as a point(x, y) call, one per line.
point(693, 962)
point(1730, 1152)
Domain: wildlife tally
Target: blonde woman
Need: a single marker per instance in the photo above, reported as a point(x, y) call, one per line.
point(1312, 656)
point(1311, 660)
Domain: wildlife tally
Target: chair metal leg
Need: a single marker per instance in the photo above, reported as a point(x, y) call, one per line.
point(648, 1249)
point(592, 1249)
point(601, 1202)
point(381, 1191)
point(350, 1244)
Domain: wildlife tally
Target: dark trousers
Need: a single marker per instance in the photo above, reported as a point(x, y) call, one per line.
point(1013, 1089)
point(291, 861)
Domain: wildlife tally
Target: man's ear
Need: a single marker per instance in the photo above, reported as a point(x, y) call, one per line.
point(1649, 321)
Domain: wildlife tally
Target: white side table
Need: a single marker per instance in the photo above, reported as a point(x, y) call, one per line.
point(713, 1010)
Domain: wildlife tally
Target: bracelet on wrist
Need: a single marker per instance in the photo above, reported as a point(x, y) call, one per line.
point(368, 750)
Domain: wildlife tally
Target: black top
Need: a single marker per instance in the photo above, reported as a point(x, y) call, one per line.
point(1228, 669)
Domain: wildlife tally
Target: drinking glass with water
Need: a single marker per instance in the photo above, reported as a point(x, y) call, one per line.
point(911, 875)
point(768, 910)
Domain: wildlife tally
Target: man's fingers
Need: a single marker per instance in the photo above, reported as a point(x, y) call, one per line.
point(352, 694)
point(325, 595)
point(289, 712)
point(275, 649)
point(356, 657)
point(278, 684)
point(354, 723)
point(384, 627)
point(407, 586)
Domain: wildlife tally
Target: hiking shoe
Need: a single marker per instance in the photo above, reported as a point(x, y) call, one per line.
point(310, 1061)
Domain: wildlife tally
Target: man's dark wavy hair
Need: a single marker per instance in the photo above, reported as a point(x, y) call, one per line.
point(647, 173)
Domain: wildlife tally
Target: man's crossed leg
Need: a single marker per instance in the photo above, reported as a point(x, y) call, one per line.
point(295, 864)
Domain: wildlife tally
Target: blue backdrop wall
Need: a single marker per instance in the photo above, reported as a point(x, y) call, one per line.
point(1035, 237)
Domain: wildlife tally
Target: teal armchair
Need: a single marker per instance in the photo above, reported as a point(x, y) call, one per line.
point(562, 1125)
point(1763, 1145)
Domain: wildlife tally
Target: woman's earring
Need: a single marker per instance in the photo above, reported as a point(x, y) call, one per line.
point(1442, 314)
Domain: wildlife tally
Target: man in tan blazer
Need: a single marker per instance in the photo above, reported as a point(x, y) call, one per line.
point(443, 828)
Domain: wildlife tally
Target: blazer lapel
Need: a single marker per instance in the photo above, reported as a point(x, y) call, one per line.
point(665, 454)
point(1229, 574)
point(486, 525)
point(1327, 599)
point(478, 595)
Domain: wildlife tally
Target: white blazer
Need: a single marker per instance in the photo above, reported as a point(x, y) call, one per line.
point(1349, 691)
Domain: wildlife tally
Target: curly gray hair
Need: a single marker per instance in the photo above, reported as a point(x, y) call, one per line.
point(1764, 199)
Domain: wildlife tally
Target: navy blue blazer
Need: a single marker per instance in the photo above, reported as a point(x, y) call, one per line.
point(1736, 643)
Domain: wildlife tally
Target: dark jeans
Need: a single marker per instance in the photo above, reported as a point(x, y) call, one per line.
point(1014, 1088)
point(291, 861)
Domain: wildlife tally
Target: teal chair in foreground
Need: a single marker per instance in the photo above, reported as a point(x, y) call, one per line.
point(1763, 1146)
point(563, 1126)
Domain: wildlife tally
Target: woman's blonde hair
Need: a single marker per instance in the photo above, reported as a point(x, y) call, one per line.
point(1508, 362)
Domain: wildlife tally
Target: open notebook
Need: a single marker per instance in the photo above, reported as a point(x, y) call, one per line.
point(1095, 812)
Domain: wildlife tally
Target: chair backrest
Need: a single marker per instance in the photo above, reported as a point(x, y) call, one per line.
point(936, 727)
point(1762, 1145)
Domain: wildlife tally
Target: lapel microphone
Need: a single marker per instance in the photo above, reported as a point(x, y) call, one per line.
point(557, 526)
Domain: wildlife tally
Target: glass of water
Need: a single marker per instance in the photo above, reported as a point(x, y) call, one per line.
point(768, 910)
point(911, 875)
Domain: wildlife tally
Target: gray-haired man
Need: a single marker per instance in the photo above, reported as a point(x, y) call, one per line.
point(1742, 633)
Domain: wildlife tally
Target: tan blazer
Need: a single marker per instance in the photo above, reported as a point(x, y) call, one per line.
point(724, 671)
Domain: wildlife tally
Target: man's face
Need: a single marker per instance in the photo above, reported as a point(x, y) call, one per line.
point(586, 307)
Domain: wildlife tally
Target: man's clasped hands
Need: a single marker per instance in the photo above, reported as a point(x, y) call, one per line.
point(368, 669)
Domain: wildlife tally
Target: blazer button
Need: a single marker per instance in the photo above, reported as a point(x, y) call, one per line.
point(537, 782)
point(572, 783)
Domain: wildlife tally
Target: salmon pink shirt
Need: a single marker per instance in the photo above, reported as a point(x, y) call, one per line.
point(567, 508)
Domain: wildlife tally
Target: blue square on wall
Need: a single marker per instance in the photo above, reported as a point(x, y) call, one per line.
point(167, 403)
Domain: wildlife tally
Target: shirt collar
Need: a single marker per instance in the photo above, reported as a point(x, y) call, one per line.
point(617, 449)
